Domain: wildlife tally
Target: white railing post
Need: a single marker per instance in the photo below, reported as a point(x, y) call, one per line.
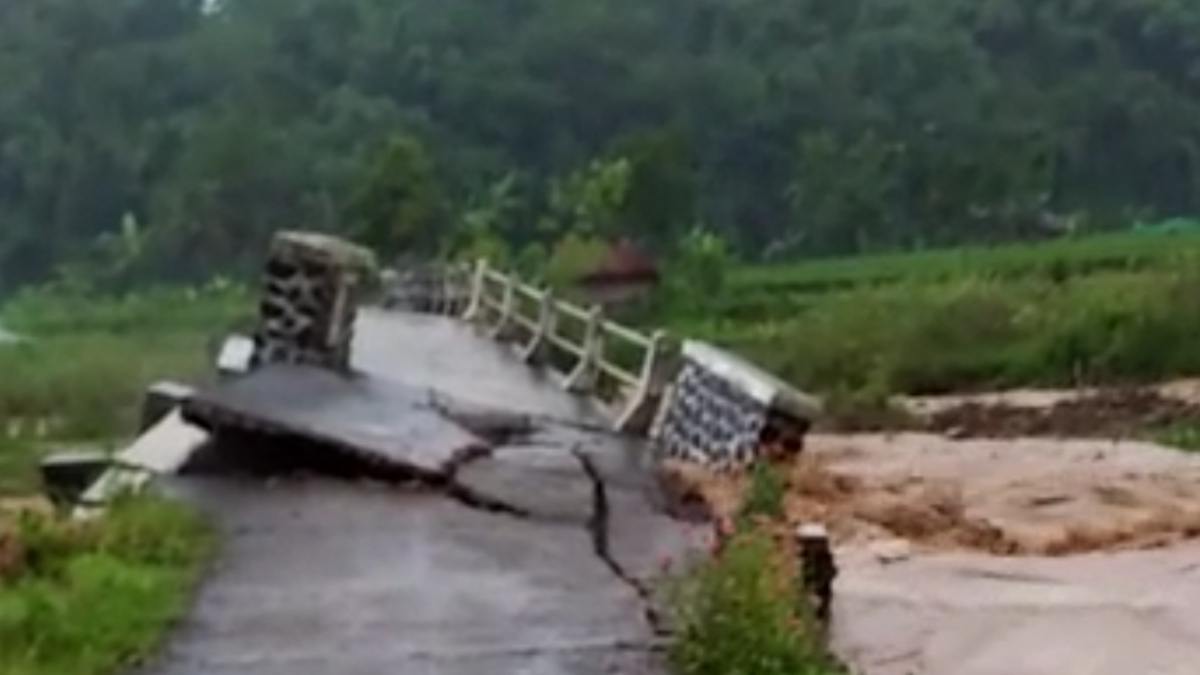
point(638, 415)
point(583, 378)
point(475, 306)
point(506, 307)
point(537, 343)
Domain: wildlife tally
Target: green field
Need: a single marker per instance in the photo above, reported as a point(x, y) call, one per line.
point(79, 372)
point(1060, 258)
point(94, 598)
point(1094, 310)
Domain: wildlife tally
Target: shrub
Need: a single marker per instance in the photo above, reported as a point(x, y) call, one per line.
point(974, 333)
point(95, 597)
point(764, 498)
point(742, 613)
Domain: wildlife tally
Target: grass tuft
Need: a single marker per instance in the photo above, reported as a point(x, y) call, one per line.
point(764, 497)
point(743, 613)
point(1184, 436)
point(96, 597)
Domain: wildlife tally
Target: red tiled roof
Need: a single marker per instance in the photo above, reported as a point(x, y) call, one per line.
point(624, 262)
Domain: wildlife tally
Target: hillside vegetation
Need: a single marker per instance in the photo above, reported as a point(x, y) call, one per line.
point(167, 139)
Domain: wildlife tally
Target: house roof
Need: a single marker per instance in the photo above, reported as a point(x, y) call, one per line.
point(623, 263)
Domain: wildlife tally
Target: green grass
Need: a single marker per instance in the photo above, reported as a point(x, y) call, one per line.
point(51, 311)
point(93, 599)
point(742, 613)
point(86, 361)
point(18, 466)
point(1181, 436)
point(90, 384)
point(971, 319)
point(764, 498)
point(1054, 260)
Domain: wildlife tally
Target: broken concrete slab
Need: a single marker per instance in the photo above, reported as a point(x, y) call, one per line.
point(643, 537)
point(66, 475)
point(321, 577)
point(646, 543)
point(375, 420)
point(163, 450)
point(160, 399)
point(236, 356)
point(544, 482)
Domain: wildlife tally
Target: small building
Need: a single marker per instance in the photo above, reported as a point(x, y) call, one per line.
point(623, 275)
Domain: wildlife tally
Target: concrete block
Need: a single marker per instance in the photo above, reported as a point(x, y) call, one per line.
point(160, 399)
point(66, 475)
point(236, 356)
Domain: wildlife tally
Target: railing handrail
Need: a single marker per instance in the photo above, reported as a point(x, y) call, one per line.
point(494, 302)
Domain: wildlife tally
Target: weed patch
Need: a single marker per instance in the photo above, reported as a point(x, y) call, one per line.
point(1184, 436)
point(80, 372)
point(743, 613)
point(765, 494)
point(974, 333)
point(92, 598)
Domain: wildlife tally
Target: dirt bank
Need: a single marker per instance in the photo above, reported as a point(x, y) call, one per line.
point(1129, 412)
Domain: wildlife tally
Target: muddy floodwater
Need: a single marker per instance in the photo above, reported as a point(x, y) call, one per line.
point(1003, 556)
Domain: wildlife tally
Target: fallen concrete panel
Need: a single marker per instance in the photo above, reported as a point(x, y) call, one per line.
point(323, 577)
point(165, 448)
point(162, 450)
point(378, 420)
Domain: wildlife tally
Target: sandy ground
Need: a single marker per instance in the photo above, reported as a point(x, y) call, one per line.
point(1003, 557)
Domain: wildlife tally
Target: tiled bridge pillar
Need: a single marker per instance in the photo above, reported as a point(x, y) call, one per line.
point(310, 300)
point(726, 413)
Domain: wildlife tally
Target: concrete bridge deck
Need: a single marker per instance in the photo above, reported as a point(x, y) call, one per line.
point(535, 556)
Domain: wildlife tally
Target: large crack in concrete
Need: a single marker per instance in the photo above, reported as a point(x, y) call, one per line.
point(268, 455)
point(598, 526)
point(240, 452)
point(504, 427)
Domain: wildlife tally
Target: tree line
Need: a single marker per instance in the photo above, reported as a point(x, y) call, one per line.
point(168, 138)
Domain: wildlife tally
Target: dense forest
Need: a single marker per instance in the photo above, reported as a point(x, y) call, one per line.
point(167, 138)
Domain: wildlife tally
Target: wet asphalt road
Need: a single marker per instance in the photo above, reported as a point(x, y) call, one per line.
point(318, 575)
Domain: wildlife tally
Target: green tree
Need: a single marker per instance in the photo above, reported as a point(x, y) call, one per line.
point(660, 195)
point(398, 206)
point(590, 202)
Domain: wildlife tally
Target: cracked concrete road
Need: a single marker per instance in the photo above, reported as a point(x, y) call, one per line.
point(539, 557)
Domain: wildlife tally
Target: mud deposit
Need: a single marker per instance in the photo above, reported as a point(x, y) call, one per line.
point(1116, 413)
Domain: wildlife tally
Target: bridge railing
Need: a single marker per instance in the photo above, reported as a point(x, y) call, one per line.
point(624, 368)
point(432, 289)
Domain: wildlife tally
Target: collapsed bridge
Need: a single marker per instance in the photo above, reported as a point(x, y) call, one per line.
point(403, 493)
